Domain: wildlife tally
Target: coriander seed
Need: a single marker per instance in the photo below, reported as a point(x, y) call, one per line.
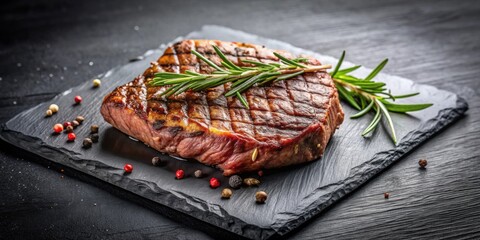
point(198, 173)
point(226, 193)
point(261, 197)
point(79, 119)
point(48, 113)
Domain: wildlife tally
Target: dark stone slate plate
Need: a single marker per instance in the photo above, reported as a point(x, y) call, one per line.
point(296, 193)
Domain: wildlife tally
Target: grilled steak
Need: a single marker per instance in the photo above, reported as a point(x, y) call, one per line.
point(289, 122)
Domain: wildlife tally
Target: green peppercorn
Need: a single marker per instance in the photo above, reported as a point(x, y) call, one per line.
point(235, 181)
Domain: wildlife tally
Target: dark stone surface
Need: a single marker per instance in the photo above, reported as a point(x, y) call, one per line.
point(296, 194)
point(432, 42)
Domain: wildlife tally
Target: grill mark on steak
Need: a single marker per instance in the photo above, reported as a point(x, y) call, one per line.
point(300, 112)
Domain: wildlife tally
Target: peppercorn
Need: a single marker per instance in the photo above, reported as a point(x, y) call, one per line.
point(422, 163)
point(78, 99)
point(179, 174)
point(198, 173)
point(53, 108)
point(66, 124)
point(156, 161)
point(71, 137)
point(79, 119)
point(94, 137)
point(96, 82)
point(260, 173)
point(251, 182)
point(94, 129)
point(87, 143)
point(128, 168)
point(260, 197)
point(386, 195)
point(214, 182)
point(58, 128)
point(69, 129)
point(226, 193)
point(75, 123)
point(48, 113)
point(235, 181)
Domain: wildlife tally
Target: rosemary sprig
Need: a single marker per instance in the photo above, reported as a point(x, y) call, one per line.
point(366, 96)
point(242, 78)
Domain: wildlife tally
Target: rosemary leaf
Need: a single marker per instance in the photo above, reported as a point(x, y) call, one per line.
point(376, 70)
point(373, 123)
point(403, 108)
point(364, 111)
point(288, 61)
point(244, 102)
point(337, 67)
point(346, 96)
point(386, 114)
point(208, 61)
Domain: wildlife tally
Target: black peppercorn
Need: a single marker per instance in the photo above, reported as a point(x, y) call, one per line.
point(69, 129)
point(386, 195)
point(156, 161)
point(94, 137)
point(87, 143)
point(235, 181)
point(94, 129)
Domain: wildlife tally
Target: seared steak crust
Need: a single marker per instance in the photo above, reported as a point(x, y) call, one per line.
point(288, 122)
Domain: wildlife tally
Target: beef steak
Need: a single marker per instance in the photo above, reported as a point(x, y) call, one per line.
point(289, 122)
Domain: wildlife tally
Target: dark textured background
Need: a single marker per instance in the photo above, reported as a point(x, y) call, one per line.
point(47, 47)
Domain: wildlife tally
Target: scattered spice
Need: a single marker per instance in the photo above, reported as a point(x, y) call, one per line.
point(79, 119)
point(87, 143)
point(261, 197)
point(66, 124)
point(198, 173)
point(214, 182)
point(94, 137)
point(128, 168)
point(422, 163)
point(53, 108)
point(71, 137)
point(78, 99)
point(75, 123)
point(386, 195)
point(94, 128)
point(156, 161)
point(179, 174)
point(255, 155)
point(48, 113)
point(226, 193)
point(96, 82)
point(260, 173)
point(235, 181)
point(58, 128)
point(69, 129)
point(251, 182)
